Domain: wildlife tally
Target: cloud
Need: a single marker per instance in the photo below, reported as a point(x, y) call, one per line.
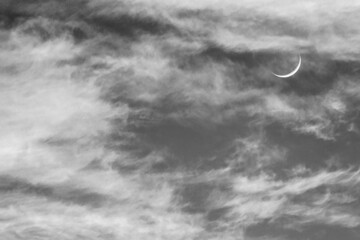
point(261, 198)
point(153, 119)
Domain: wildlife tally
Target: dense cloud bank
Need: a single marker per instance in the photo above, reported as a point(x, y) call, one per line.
point(163, 120)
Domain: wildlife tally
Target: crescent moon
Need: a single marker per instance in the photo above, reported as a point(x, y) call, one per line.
point(292, 72)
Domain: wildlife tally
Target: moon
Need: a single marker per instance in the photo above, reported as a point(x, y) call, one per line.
point(292, 73)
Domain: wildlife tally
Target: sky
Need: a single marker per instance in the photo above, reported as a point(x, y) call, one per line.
point(151, 119)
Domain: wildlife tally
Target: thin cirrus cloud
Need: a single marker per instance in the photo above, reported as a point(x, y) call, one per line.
point(153, 119)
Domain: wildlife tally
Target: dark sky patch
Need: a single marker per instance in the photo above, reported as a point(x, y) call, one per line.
point(53, 8)
point(311, 232)
point(131, 26)
point(302, 149)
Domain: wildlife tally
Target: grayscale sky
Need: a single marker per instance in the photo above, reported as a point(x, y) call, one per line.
point(162, 119)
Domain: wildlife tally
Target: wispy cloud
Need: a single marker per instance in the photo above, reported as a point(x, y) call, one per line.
point(153, 119)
